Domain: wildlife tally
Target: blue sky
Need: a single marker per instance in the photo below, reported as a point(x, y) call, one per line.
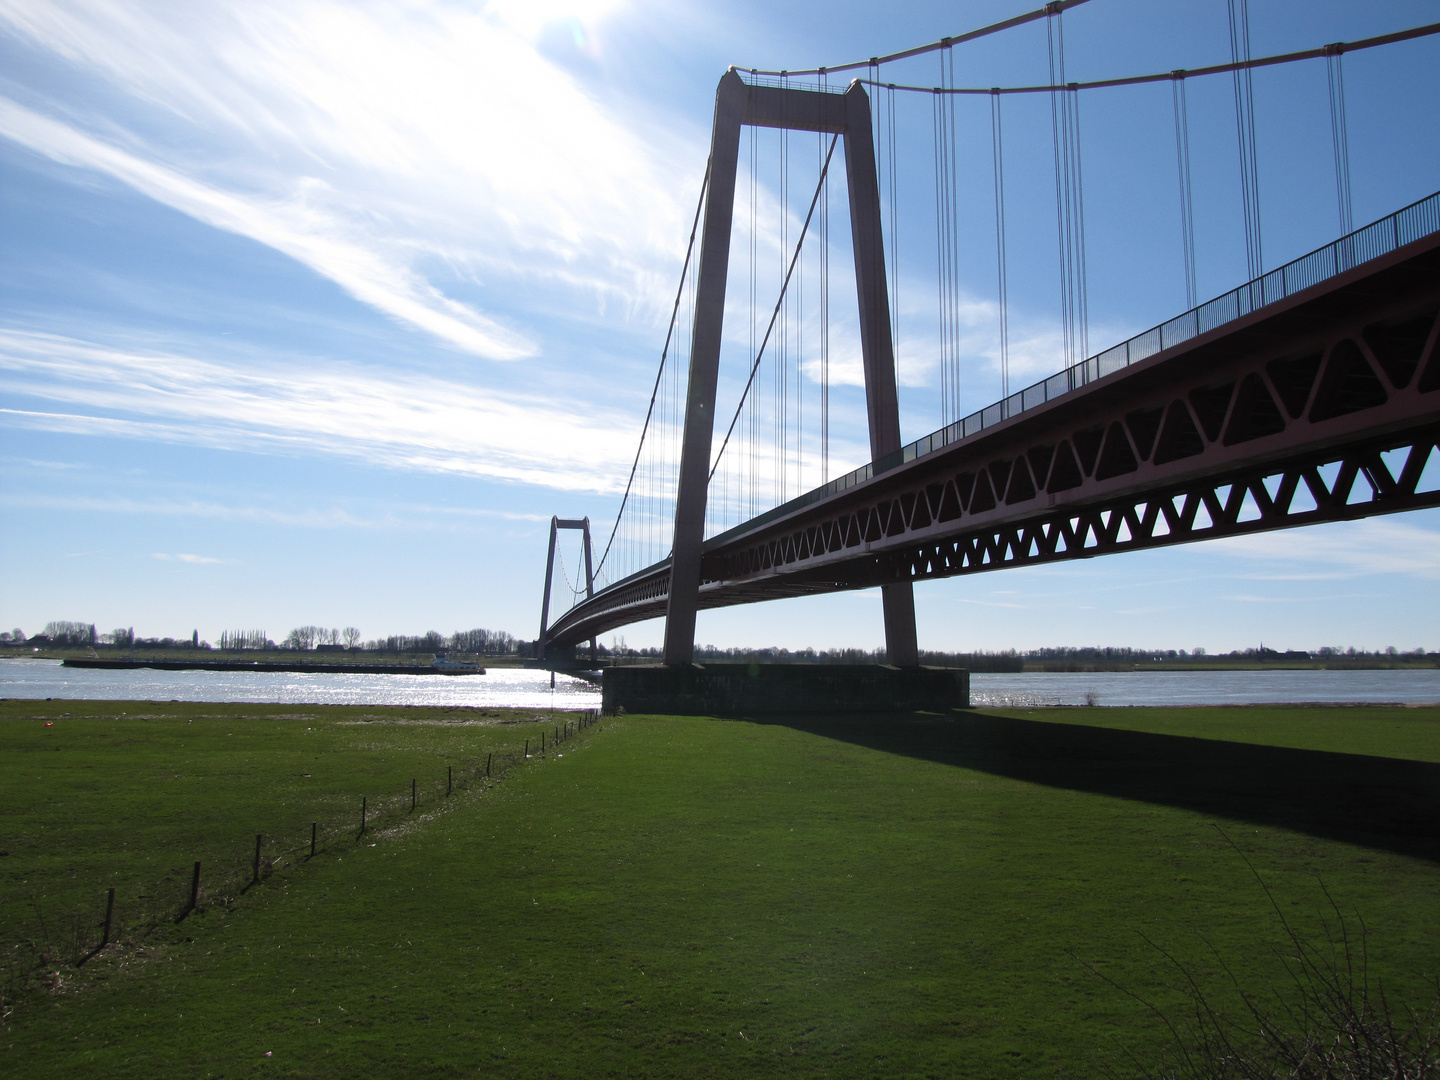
point(315, 312)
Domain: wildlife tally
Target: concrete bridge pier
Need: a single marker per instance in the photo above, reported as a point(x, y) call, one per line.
point(740, 690)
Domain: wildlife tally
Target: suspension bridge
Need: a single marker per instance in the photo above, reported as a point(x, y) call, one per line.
point(1309, 393)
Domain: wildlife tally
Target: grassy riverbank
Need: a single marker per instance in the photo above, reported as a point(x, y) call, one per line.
point(131, 794)
point(693, 897)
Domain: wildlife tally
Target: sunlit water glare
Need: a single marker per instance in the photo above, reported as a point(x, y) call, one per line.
point(527, 688)
point(498, 687)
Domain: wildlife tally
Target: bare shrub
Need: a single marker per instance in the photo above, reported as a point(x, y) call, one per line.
point(1331, 1022)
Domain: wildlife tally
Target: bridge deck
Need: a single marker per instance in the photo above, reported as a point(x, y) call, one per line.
point(1288, 413)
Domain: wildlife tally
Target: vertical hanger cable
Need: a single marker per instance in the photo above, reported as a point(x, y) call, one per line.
point(1239, 11)
point(997, 152)
point(1187, 205)
point(824, 301)
point(1340, 136)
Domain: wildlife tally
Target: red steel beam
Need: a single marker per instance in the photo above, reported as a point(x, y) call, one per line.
point(1321, 407)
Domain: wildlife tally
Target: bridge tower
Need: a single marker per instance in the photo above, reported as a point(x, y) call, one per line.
point(848, 115)
point(556, 524)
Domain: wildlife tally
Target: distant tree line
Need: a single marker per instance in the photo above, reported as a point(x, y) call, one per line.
point(65, 632)
point(1109, 653)
point(479, 641)
point(72, 634)
point(1095, 654)
point(1012, 660)
point(482, 642)
point(245, 639)
point(981, 661)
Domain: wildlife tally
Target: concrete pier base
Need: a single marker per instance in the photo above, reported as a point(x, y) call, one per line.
point(768, 689)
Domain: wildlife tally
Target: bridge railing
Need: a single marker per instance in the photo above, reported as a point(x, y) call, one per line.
point(1415, 221)
point(1418, 220)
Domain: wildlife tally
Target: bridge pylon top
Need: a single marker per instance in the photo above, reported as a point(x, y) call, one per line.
point(847, 116)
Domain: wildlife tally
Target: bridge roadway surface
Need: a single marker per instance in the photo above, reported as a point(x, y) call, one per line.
point(1322, 406)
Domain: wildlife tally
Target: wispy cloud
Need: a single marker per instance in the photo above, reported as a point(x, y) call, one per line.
point(1036, 346)
point(403, 516)
point(295, 226)
point(412, 422)
point(994, 603)
point(47, 466)
point(387, 146)
point(1346, 550)
point(195, 559)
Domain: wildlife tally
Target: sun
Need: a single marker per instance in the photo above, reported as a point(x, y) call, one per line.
point(529, 17)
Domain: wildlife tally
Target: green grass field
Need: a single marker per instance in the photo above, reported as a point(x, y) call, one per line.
point(131, 794)
point(694, 897)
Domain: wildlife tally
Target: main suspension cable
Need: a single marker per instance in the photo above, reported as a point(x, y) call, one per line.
point(1214, 69)
point(1241, 62)
point(574, 589)
point(779, 301)
point(674, 311)
point(943, 43)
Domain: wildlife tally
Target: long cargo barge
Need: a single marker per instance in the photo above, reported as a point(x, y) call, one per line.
point(317, 667)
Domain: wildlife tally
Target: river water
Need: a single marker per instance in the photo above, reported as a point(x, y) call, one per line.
point(1206, 687)
point(525, 688)
point(498, 687)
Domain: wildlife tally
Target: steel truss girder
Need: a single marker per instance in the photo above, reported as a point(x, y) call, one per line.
point(1361, 484)
point(1325, 407)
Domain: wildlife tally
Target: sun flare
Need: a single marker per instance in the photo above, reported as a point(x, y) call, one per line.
point(530, 17)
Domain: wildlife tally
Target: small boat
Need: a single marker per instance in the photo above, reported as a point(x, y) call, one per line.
point(445, 666)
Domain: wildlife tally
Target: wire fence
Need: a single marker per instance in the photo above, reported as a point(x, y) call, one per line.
point(58, 940)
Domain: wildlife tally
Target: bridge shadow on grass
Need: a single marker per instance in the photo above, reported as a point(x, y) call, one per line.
point(1385, 803)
